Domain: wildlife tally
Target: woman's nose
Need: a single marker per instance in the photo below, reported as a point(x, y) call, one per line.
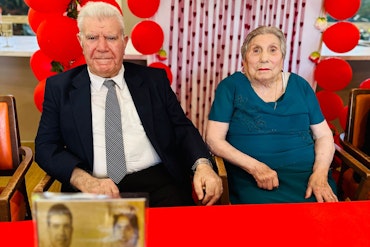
point(264, 56)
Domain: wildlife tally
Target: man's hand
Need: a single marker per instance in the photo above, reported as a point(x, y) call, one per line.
point(86, 183)
point(207, 184)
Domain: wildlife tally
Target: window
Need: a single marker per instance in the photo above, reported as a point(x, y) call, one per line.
point(16, 11)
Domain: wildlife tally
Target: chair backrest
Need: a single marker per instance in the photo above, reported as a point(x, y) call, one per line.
point(358, 110)
point(9, 135)
point(354, 183)
point(15, 160)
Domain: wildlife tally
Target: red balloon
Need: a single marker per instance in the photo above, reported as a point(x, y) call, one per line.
point(35, 18)
point(57, 38)
point(41, 65)
point(113, 2)
point(48, 6)
point(331, 104)
point(163, 66)
point(335, 132)
point(365, 84)
point(343, 117)
point(79, 61)
point(333, 128)
point(342, 9)
point(38, 94)
point(147, 37)
point(341, 36)
point(333, 73)
point(143, 8)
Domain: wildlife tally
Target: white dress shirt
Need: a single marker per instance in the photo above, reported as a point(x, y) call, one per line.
point(139, 152)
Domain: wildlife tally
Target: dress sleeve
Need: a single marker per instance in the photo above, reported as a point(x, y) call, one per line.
point(314, 110)
point(222, 106)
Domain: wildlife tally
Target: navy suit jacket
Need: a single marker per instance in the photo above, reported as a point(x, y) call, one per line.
point(64, 139)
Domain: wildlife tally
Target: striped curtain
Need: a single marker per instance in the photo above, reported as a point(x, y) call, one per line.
point(203, 40)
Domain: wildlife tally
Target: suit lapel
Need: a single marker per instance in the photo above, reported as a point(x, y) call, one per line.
point(140, 93)
point(80, 97)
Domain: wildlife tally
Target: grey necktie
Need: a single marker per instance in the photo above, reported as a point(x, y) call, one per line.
point(116, 164)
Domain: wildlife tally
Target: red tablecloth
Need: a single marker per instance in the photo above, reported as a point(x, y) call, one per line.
point(306, 224)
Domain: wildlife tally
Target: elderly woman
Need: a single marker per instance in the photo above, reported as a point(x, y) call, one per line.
point(268, 127)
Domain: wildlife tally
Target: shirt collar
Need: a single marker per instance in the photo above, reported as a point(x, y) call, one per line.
point(97, 81)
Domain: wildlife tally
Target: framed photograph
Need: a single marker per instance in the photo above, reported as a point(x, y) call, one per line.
point(78, 219)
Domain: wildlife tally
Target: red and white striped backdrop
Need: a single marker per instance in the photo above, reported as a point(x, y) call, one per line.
point(203, 40)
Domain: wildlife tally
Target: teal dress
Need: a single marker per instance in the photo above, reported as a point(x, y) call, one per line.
point(279, 137)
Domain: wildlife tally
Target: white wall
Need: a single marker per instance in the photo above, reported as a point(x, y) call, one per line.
point(311, 40)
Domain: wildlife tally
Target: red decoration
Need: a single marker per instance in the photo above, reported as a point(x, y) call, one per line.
point(163, 66)
point(365, 84)
point(315, 57)
point(35, 18)
point(337, 139)
point(79, 61)
point(113, 2)
point(333, 73)
point(48, 6)
point(341, 37)
point(38, 94)
point(162, 55)
point(41, 65)
point(333, 128)
point(342, 9)
point(143, 8)
point(147, 37)
point(57, 38)
point(331, 104)
point(343, 117)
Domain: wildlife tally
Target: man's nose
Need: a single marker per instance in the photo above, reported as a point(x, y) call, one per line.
point(102, 43)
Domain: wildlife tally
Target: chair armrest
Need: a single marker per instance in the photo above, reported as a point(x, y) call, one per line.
point(351, 162)
point(44, 184)
point(220, 166)
point(224, 199)
point(19, 175)
point(363, 190)
point(356, 153)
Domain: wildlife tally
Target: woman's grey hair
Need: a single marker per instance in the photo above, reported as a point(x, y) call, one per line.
point(99, 10)
point(264, 30)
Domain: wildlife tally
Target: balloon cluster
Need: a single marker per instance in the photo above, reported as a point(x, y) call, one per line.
point(333, 73)
point(147, 36)
point(55, 26)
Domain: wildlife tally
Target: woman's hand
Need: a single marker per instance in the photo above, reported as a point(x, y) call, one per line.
point(319, 186)
point(265, 177)
point(324, 152)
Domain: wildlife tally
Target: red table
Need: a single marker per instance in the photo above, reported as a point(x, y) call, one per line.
point(306, 224)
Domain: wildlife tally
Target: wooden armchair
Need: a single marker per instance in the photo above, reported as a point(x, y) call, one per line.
point(348, 188)
point(352, 140)
point(47, 183)
point(15, 160)
point(224, 199)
